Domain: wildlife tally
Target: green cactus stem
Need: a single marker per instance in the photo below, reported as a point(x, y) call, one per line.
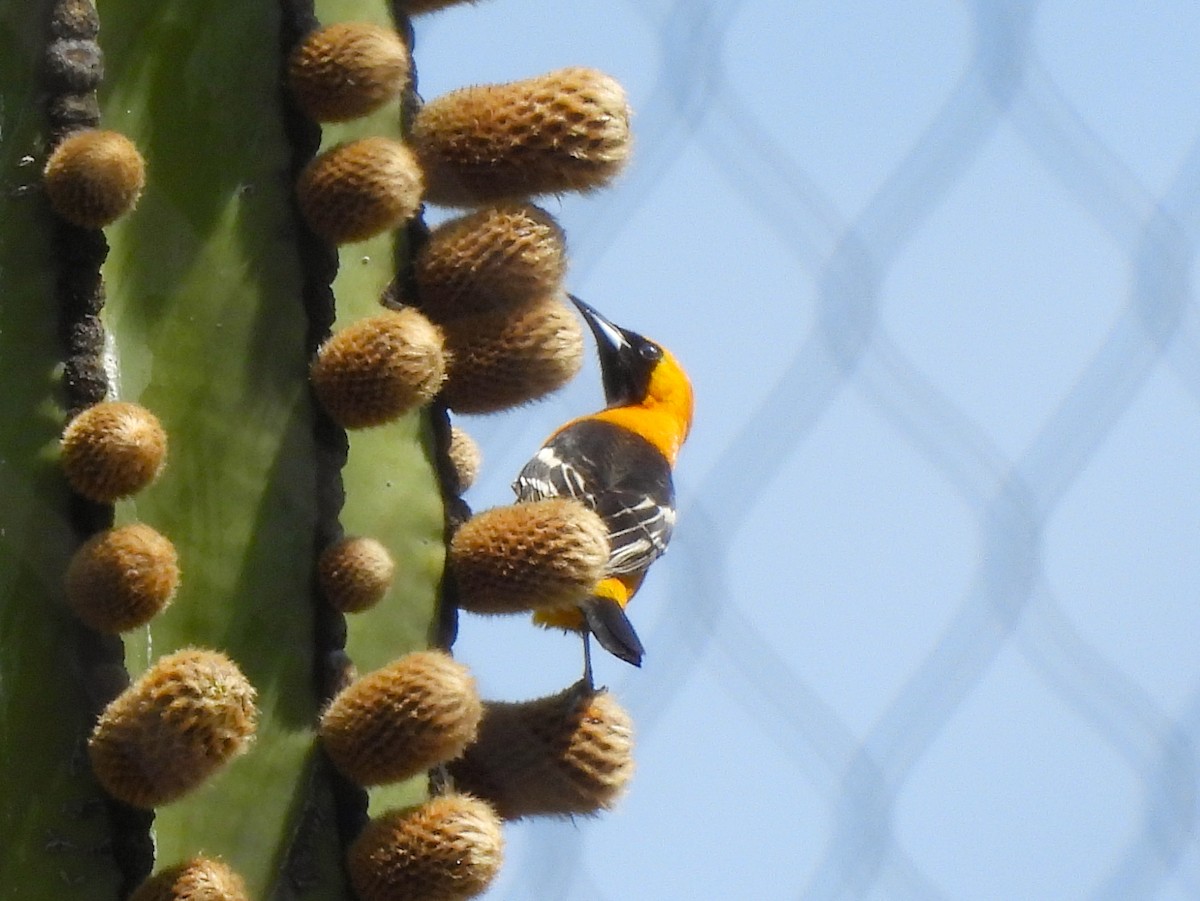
point(215, 299)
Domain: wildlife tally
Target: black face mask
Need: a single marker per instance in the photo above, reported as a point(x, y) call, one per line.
point(626, 358)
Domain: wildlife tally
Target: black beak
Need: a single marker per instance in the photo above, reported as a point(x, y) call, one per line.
point(626, 358)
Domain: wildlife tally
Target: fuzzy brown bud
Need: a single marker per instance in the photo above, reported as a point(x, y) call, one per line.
point(571, 753)
point(93, 177)
point(502, 360)
point(199, 879)
point(489, 261)
point(187, 716)
point(448, 849)
point(347, 70)
point(465, 457)
point(400, 720)
point(120, 578)
point(358, 190)
point(355, 573)
point(379, 368)
point(530, 556)
point(567, 130)
point(112, 450)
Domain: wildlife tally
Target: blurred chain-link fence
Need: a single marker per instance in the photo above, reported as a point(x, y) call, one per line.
point(927, 630)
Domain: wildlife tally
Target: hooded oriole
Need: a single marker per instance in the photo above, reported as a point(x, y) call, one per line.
point(619, 462)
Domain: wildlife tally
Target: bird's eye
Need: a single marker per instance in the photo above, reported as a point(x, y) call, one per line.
point(651, 352)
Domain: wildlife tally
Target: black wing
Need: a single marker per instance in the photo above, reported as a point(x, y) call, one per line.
point(618, 474)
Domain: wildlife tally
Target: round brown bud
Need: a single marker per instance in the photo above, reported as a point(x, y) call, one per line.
point(187, 716)
point(199, 879)
point(358, 190)
point(448, 849)
point(93, 177)
point(465, 457)
point(490, 261)
point(347, 70)
point(379, 368)
point(571, 753)
point(502, 360)
point(564, 131)
point(112, 450)
point(400, 720)
point(120, 578)
point(530, 556)
point(355, 573)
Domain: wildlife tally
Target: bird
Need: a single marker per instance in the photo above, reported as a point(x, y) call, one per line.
point(618, 461)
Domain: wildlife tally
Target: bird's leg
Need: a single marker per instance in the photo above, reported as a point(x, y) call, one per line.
point(587, 660)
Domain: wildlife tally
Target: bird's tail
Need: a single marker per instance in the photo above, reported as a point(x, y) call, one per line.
point(606, 620)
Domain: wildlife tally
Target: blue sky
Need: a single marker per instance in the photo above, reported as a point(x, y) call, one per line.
point(928, 628)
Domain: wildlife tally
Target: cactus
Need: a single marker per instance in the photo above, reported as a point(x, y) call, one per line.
point(228, 476)
point(216, 296)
